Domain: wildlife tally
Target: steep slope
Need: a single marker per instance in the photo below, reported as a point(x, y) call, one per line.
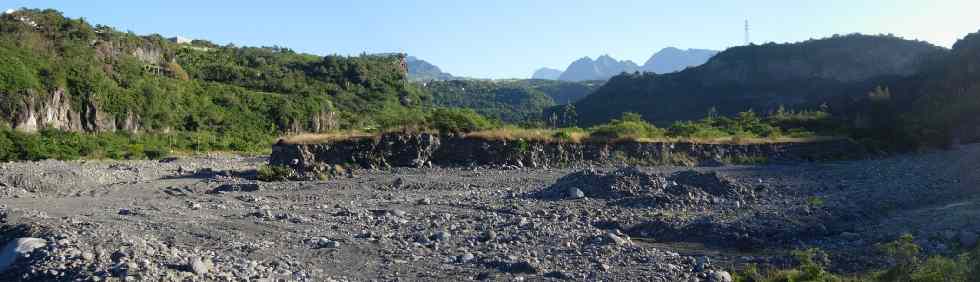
point(937, 106)
point(546, 73)
point(760, 77)
point(671, 59)
point(67, 74)
point(602, 68)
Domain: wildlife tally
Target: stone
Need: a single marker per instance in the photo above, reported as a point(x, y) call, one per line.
point(441, 236)
point(968, 239)
point(466, 258)
point(558, 275)
point(720, 276)
point(20, 247)
point(611, 238)
point(484, 276)
point(489, 236)
point(199, 266)
point(398, 213)
point(575, 193)
point(327, 243)
point(522, 266)
point(237, 187)
point(701, 264)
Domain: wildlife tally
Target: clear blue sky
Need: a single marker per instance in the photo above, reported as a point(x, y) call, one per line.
point(512, 38)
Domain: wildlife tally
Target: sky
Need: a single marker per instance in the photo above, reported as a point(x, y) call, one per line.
point(513, 38)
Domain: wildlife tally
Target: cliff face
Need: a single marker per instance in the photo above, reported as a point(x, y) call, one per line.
point(420, 150)
point(55, 110)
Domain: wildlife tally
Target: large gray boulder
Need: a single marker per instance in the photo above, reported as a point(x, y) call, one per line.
point(21, 247)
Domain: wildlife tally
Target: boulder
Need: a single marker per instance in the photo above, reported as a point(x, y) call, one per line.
point(720, 276)
point(21, 247)
point(968, 239)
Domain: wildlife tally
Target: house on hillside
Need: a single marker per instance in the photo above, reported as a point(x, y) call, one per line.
point(181, 40)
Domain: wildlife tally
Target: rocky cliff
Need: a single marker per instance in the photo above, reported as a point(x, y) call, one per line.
point(421, 150)
point(37, 111)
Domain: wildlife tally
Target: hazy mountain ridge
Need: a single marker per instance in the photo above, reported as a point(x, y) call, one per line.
point(667, 60)
point(601, 68)
point(672, 59)
point(546, 73)
point(421, 70)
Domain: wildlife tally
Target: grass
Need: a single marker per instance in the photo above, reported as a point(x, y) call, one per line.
point(908, 264)
point(316, 138)
point(564, 135)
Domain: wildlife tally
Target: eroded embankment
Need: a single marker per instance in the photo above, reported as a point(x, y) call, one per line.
point(420, 150)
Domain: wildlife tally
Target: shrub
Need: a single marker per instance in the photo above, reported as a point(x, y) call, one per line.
point(695, 129)
point(458, 121)
point(275, 173)
point(631, 126)
point(573, 135)
point(399, 118)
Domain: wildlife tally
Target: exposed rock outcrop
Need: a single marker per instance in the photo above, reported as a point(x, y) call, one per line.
point(51, 110)
point(55, 110)
point(401, 150)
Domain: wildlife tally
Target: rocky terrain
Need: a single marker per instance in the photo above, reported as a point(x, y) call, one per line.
point(313, 158)
point(207, 219)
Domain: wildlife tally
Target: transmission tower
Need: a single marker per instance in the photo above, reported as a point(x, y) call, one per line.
point(747, 41)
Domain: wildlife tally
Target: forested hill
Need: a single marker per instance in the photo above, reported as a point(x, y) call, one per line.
point(760, 77)
point(69, 74)
point(938, 105)
point(514, 101)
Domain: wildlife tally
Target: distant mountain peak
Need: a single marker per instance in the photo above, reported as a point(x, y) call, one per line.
point(546, 73)
point(420, 70)
point(673, 59)
point(604, 67)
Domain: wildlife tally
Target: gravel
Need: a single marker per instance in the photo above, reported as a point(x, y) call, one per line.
point(207, 219)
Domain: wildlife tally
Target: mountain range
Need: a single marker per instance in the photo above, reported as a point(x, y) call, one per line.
point(667, 60)
point(762, 78)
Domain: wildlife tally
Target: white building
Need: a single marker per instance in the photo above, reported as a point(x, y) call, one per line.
point(181, 40)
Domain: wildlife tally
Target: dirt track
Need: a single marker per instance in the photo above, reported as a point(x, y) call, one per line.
point(204, 219)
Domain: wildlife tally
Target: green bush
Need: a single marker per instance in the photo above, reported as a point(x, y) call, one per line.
point(631, 125)
point(695, 129)
point(572, 134)
point(403, 119)
point(275, 173)
point(458, 121)
point(61, 145)
point(903, 252)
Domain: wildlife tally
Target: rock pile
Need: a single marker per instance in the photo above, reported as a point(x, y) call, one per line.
point(633, 187)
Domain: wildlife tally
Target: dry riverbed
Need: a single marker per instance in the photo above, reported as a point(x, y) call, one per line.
point(205, 219)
